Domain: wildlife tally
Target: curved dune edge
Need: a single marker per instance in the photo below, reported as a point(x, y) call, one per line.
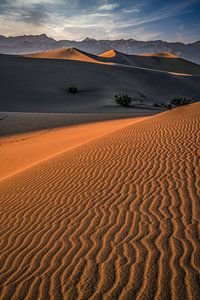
point(180, 74)
point(68, 54)
point(163, 61)
point(23, 151)
point(110, 53)
point(114, 219)
point(161, 54)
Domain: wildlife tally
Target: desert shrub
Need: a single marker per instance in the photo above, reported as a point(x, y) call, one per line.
point(168, 106)
point(186, 101)
point(178, 101)
point(123, 100)
point(72, 90)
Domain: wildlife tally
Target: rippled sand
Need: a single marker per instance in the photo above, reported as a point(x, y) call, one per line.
point(116, 218)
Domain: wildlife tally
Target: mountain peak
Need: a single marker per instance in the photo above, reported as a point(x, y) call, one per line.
point(87, 39)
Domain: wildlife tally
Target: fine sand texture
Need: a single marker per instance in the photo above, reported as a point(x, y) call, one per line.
point(115, 218)
point(41, 85)
point(20, 122)
point(19, 152)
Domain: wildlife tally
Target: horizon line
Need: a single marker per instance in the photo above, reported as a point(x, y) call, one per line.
point(88, 38)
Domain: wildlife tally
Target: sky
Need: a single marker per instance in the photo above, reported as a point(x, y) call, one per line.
point(103, 19)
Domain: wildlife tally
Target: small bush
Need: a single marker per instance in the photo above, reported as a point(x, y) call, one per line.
point(186, 101)
point(168, 106)
point(178, 101)
point(123, 100)
point(72, 90)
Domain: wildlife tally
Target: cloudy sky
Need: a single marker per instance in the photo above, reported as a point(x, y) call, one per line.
point(169, 20)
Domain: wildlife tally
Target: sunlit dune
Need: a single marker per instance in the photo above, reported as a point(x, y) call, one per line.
point(66, 53)
point(21, 151)
point(113, 218)
point(161, 54)
point(110, 53)
point(154, 61)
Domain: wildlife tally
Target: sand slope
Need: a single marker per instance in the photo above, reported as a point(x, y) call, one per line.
point(157, 61)
point(21, 151)
point(39, 85)
point(116, 218)
point(66, 53)
point(161, 54)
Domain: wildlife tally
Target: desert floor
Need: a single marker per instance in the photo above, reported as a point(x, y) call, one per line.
point(116, 217)
point(41, 85)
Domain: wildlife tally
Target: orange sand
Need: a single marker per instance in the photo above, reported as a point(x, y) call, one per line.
point(66, 53)
point(116, 218)
point(161, 54)
point(153, 61)
point(110, 53)
point(21, 151)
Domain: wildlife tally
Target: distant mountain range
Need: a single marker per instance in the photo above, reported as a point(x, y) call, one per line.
point(38, 43)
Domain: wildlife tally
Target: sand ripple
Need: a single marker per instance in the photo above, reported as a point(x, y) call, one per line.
point(116, 218)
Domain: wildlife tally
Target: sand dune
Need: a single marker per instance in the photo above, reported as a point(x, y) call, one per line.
point(40, 85)
point(161, 54)
point(116, 218)
point(20, 151)
point(14, 123)
point(66, 53)
point(158, 61)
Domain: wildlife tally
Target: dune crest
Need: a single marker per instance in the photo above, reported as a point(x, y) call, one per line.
point(162, 61)
point(110, 53)
point(116, 218)
point(161, 54)
point(22, 151)
point(65, 53)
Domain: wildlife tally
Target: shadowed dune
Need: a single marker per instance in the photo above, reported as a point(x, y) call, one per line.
point(116, 218)
point(40, 85)
point(158, 61)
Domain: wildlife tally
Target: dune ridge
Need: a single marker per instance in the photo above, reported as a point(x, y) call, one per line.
point(67, 54)
point(21, 151)
point(116, 218)
point(162, 61)
point(161, 54)
point(97, 83)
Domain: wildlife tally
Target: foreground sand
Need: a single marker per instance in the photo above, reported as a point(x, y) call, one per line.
point(21, 151)
point(116, 218)
point(21, 122)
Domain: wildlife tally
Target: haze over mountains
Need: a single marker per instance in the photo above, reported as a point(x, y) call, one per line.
point(39, 43)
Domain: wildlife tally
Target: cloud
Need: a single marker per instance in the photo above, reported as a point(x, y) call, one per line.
point(76, 19)
point(108, 6)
